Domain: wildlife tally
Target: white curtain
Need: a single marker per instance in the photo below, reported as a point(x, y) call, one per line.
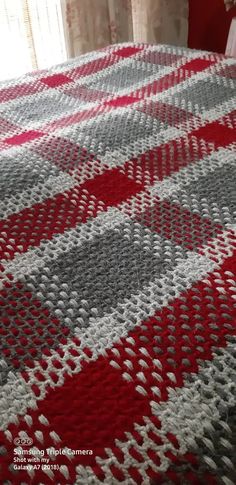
point(35, 34)
point(90, 24)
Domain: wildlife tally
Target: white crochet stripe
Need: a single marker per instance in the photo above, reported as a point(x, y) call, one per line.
point(203, 117)
point(12, 150)
point(187, 53)
point(47, 189)
point(186, 415)
point(171, 409)
point(98, 118)
point(74, 106)
point(6, 106)
point(82, 60)
point(178, 181)
point(96, 76)
point(221, 110)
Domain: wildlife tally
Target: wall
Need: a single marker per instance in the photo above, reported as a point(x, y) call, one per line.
point(209, 24)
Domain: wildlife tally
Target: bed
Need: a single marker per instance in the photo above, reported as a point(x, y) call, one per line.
point(117, 273)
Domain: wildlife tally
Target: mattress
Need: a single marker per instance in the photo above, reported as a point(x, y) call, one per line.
point(117, 285)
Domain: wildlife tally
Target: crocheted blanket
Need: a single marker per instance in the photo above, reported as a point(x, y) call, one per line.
point(118, 355)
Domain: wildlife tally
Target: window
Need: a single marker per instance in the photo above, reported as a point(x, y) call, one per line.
point(31, 36)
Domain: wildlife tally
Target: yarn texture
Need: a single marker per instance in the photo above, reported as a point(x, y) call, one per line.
point(117, 272)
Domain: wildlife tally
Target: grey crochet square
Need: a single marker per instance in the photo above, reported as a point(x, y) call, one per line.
point(27, 333)
point(202, 96)
point(219, 190)
point(28, 171)
point(116, 130)
point(126, 75)
point(33, 110)
point(105, 271)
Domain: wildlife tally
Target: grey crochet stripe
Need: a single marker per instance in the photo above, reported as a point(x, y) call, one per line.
point(220, 441)
point(132, 73)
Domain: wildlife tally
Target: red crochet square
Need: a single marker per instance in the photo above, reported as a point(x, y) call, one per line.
point(127, 51)
point(197, 65)
point(121, 101)
point(112, 187)
point(216, 133)
point(87, 402)
point(56, 80)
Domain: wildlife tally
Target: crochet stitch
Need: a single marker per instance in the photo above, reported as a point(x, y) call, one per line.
point(117, 283)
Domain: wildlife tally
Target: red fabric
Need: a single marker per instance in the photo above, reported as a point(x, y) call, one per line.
point(209, 25)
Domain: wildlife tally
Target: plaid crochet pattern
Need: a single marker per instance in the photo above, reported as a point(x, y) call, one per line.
point(117, 283)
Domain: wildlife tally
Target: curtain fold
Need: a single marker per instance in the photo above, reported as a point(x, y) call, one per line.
point(92, 24)
point(163, 21)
